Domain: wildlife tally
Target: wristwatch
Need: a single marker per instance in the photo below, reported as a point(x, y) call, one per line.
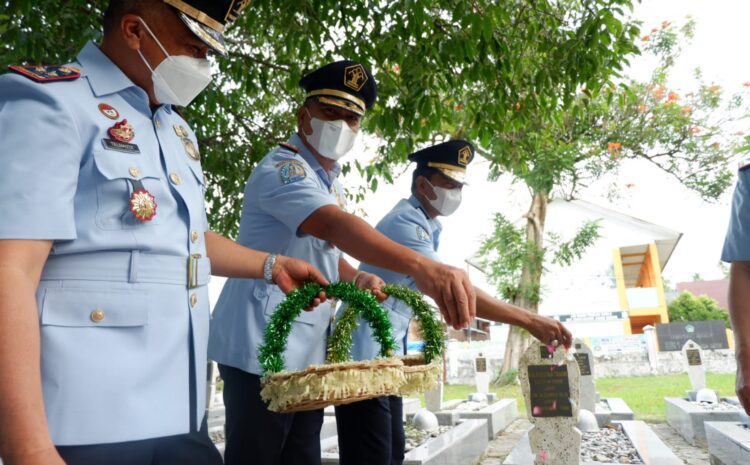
point(268, 268)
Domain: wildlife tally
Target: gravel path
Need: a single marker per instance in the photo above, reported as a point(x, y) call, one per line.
point(500, 447)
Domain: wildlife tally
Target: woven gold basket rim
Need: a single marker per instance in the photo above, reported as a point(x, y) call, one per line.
point(419, 376)
point(293, 392)
point(322, 369)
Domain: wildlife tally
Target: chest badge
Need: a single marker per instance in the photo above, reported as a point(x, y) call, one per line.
point(422, 234)
point(190, 149)
point(122, 131)
point(109, 111)
point(180, 130)
point(142, 202)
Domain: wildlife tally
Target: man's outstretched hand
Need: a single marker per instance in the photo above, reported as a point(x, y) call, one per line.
point(451, 290)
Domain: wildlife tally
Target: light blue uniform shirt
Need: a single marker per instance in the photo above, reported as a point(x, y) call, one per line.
point(119, 374)
point(283, 190)
point(737, 241)
point(409, 225)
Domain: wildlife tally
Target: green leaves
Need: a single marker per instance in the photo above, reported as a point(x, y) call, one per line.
point(491, 72)
point(688, 307)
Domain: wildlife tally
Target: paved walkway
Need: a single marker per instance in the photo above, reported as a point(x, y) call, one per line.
point(500, 447)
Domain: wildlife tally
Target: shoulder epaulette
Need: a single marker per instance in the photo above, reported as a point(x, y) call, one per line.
point(289, 147)
point(47, 73)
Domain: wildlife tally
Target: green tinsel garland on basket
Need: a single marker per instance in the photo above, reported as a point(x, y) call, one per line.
point(277, 331)
point(340, 341)
point(432, 331)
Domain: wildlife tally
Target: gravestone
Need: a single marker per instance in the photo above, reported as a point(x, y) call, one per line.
point(482, 374)
point(693, 360)
point(550, 384)
point(585, 359)
point(434, 397)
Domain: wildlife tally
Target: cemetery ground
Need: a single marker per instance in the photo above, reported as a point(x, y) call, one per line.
point(643, 394)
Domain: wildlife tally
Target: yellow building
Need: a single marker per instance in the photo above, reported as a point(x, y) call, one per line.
point(639, 283)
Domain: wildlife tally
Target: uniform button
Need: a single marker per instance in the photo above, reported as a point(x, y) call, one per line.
point(175, 178)
point(97, 315)
point(193, 300)
point(157, 124)
point(134, 171)
point(194, 236)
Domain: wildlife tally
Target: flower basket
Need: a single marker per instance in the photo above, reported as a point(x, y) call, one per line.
point(337, 383)
point(341, 381)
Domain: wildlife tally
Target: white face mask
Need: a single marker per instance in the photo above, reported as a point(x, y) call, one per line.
point(178, 79)
point(332, 139)
point(447, 200)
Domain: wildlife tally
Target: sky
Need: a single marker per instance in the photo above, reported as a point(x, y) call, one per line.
point(721, 36)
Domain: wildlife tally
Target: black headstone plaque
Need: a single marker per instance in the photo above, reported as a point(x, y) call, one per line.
point(481, 365)
point(694, 357)
point(583, 363)
point(707, 334)
point(549, 391)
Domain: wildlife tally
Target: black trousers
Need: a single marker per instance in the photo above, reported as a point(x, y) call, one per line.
point(257, 436)
point(371, 432)
point(194, 448)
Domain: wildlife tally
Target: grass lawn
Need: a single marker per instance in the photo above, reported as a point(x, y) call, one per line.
point(643, 394)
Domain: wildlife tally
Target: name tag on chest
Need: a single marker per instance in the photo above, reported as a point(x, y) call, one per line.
point(125, 147)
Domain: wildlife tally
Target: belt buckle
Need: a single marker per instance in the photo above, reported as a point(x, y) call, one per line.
point(192, 273)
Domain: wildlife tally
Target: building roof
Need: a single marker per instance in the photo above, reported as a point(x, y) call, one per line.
point(717, 289)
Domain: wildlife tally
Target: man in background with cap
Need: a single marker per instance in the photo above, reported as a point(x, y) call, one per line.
point(294, 204)
point(371, 432)
point(105, 250)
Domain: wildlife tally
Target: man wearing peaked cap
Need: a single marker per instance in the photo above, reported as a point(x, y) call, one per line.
point(343, 84)
point(295, 204)
point(104, 307)
point(208, 18)
point(371, 432)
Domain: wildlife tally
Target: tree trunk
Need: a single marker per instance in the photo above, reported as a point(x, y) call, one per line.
point(531, 277)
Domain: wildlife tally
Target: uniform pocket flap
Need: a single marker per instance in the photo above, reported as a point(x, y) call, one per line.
point(115, 165)
point(87, 307)
point(197, 170)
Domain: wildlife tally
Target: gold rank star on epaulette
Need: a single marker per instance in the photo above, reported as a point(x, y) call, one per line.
point(47, 73)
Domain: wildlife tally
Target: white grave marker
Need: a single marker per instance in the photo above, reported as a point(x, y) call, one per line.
point(693, 357)
point(482, 374)
point(434, 397)
point(585, 359)
point(551, 388)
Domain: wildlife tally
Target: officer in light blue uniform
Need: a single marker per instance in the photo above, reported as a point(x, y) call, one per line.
point(104, 177)
point(371, 432)
point(737, 251)
point(409, 225)
point(283, 190)
point(289, 185)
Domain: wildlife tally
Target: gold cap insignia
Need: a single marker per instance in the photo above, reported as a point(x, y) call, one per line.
point(355, 77)
point(235, 9)
point(464, 156)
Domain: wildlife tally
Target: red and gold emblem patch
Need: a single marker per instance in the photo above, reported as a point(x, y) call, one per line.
point(122, 131)
point(109, 111)
point(143, 205)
